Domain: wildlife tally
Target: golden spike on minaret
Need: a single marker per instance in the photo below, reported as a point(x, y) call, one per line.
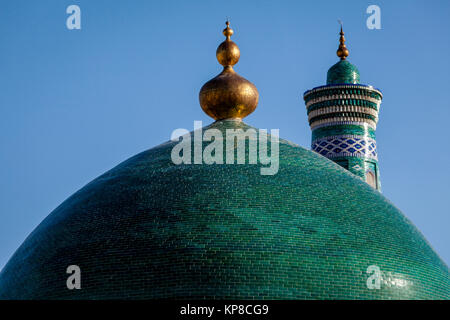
point(342, 51)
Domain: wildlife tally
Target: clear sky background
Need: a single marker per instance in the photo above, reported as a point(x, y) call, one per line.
point(75, 103)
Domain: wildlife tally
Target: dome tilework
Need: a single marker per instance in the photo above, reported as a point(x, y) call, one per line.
point(151, 229)
point(343, 72)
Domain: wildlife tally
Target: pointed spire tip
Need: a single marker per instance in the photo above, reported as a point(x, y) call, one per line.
point(342, 51)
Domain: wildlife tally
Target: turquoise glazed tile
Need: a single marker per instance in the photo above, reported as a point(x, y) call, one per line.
point(151, 229)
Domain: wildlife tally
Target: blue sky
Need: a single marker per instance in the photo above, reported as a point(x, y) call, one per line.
point(75, 103)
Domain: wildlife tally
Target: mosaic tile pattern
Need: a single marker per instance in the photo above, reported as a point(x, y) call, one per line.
point(346, 146)
point(342, 105)
point(151, 229)
point(343, 72)
point(347, 90)
point(345, 129)
point(343, 119)
point(356, 101)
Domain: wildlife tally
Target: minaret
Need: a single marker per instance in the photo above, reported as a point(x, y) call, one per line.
point(343, 116)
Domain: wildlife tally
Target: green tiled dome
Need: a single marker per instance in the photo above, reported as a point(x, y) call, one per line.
point(343, 72)
point(151, 229)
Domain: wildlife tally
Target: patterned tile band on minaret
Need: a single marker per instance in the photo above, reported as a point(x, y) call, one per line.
point(343, 116)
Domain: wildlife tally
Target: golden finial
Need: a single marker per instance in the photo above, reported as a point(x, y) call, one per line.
point(228, 53)
point(228, 95)
point(228, 32)
point(342, 51)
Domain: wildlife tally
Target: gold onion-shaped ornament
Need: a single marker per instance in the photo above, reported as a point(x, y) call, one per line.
point(342, 51)
point(228, 95)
